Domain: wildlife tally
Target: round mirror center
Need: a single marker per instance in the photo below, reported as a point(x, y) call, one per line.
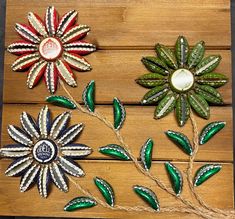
point(44, 151)
point(182, 80)
point(50, 48)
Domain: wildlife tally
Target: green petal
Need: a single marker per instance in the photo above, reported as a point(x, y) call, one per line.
point(79, 203)
point(166, 55)
point(205, 172)
point(208, 64)
point(181, 51)
point(119, 113)
point(155, 94)
point(212, 79)
point(151, 80)
point(165, 106)
point(182, 110)
point(89, 95)
point(146, 154)
point(155, 65)
point(209, 93)
point(200, 105)
point(196, 54)
point(61, 101)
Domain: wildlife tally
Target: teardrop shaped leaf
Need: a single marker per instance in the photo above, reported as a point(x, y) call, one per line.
point(148, 196)
point(200, 105)
point(182, 110)
point(180, 140)
point(209, 93)
point(210, 130)
point(155, 94)
point(205, 172)
point(61, 101)
point(146, 154)
point(165, 106)
point(79, 203)
point(196, 54)
point(175, 177)
point(119, 113)
point(181, 51)
point(155, 65)
point(208, 64)
point(89, 96)
point(212, 79)
point(166, 55)
point(151, 80)
point(106, 190)
point(115, 151)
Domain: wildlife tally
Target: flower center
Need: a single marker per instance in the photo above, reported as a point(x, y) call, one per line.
point(182, 80)
point(50, 48)
point(45, 151)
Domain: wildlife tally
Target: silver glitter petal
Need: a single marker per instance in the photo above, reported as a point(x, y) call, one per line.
point(70, 134)
point(59, 124)
point(70, 167)
point(44, 121)
point(44, 181)
point(15, 151)
point(75, 150)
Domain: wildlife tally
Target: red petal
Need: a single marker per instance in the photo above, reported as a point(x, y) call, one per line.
point(51, 20)
point(51, 77)
point(27, 33)
point(37, 24)
point(25, 61)
point(80, 47)
point(21, 47)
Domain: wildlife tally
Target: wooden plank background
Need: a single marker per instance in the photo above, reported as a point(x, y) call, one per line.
point(124, 31)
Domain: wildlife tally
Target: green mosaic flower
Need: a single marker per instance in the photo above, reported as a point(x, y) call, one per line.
point(182, 79)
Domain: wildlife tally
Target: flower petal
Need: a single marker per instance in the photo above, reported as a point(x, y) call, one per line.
point(25, 61)
point(44, 121)
point(70, 167)
point(51, 77)
point(75, 33)
point(76, 61)
point(58, 177)
point(181, 51)
point(70, 134)
point(29, 125)
point(28, 178)
point(37, 24)
point(76, 150)
point(59, 124)
point(80, 47)
point(27, 33)
point(21, 47)
point(19, 135)
point(65, 73)
point(212, 79)
point(14, 150)
point(51, 20)
point(66, 22)
point(17, 167)
point(182, 110)
point(35, 73)
point(44, 181)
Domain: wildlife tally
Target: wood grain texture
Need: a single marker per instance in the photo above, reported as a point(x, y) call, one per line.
point(114, 72)
point(216, 191)
point(128, 23)
point(138, 127)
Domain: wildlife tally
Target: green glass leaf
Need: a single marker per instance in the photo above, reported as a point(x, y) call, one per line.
point(182, 110)
point(115, 151)
point(181, 51)
point(175, 177)
point(151, 80)
point(146, 154)
point(88, 96)
point(212, 79)
point(166, 55)
point(106, 190)
point(61, 101)
point(155, 94)
point(196, 54)
point(210, 130)
point(79, 203)
point(165, 106)
point(180, 140)
point(155, 65)
point(119, 113)
point(148, 196)
point(205, 172)
point(200, 105)
point(208, 64)
point(209, 93)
